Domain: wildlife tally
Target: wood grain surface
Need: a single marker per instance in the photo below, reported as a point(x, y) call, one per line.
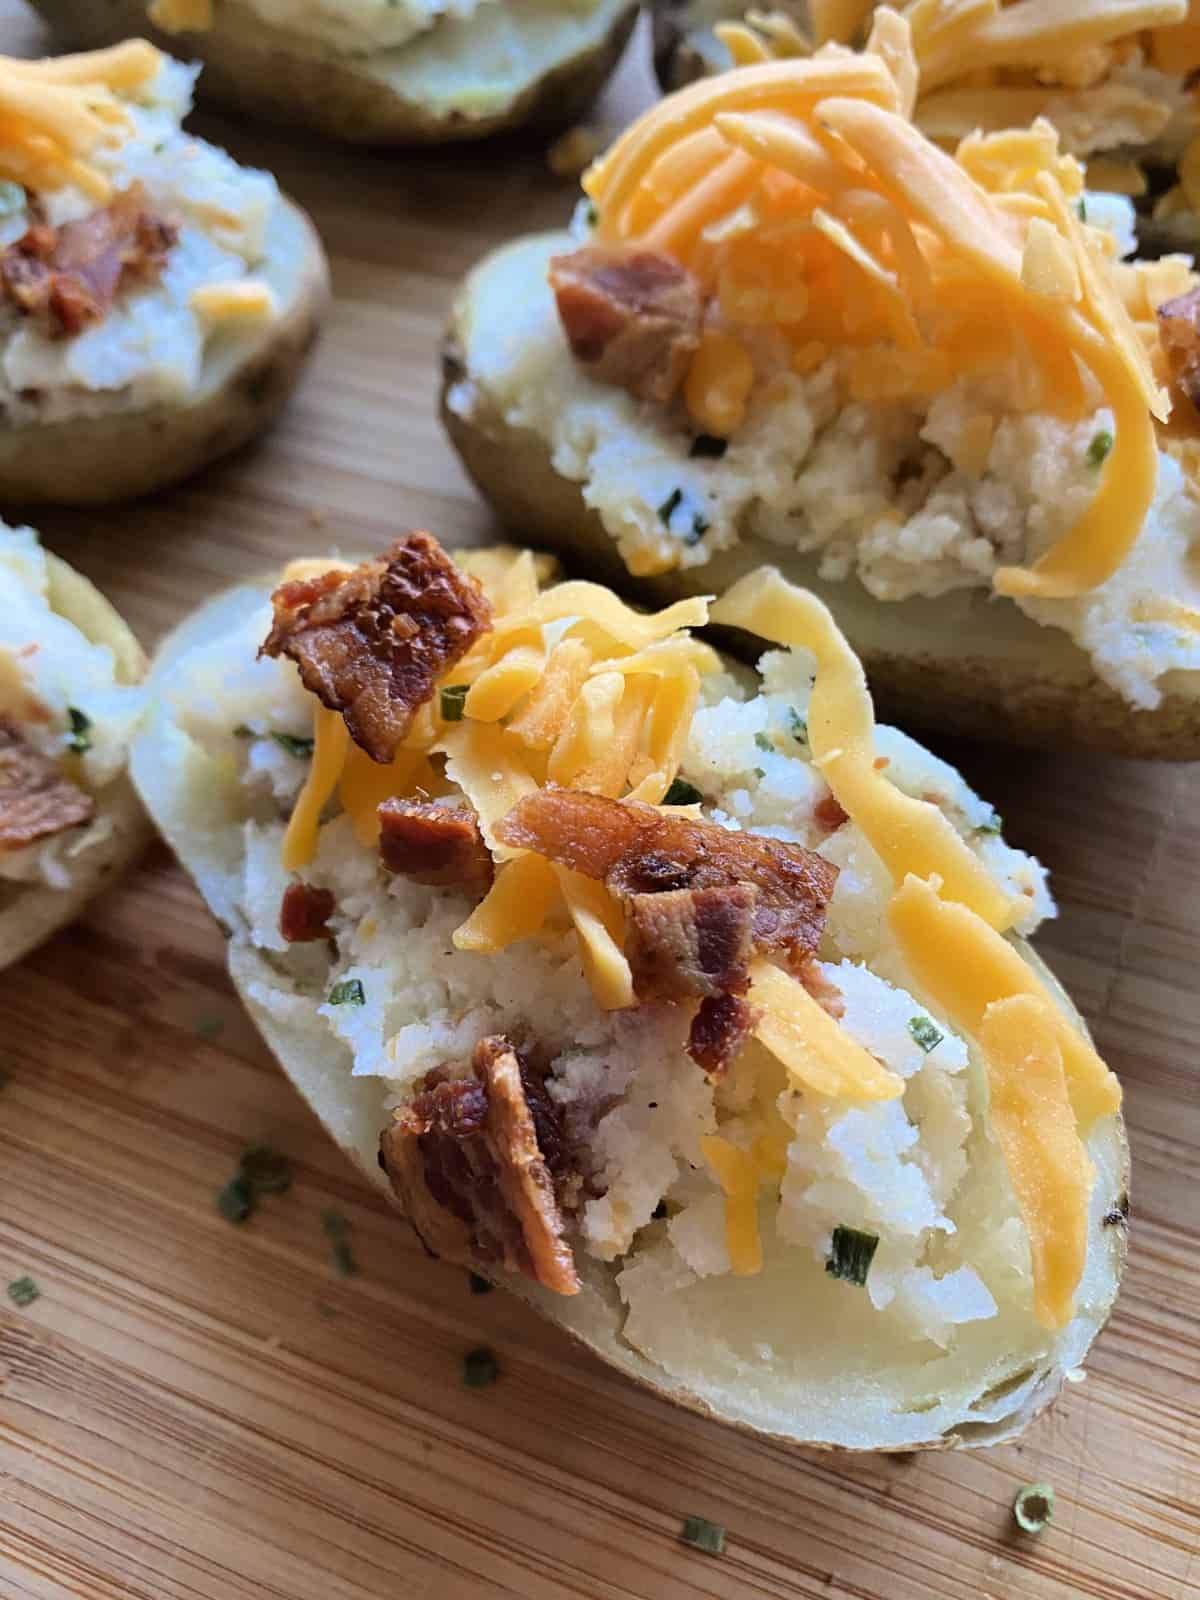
point(198, 1411)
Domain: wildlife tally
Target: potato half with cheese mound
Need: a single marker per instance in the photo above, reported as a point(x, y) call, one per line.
point(687, 1003)
point(70, 699)
point(788, 327)
point(157, 300)
point(380, 71)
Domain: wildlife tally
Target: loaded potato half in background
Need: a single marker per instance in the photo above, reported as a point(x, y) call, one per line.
point(1116, 80)
point(684, 1001)
point(157, 300)
point(786, 326)
point(70, 672)
point(379, 71)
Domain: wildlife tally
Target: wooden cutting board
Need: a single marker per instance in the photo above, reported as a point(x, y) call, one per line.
point(198, 1411)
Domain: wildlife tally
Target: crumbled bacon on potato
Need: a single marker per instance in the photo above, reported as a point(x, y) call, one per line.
point(434, 843)
point(37, 799)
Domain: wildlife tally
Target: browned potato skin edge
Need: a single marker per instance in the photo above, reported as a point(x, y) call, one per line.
point(332, 97)
point(99, 460)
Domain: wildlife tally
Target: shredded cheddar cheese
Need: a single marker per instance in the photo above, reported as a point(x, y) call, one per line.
point(817, 1052)
point(247, 301)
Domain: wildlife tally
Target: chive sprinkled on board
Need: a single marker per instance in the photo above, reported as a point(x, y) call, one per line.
point(682, 793)
point(302, 749)
point(79, 739)
point(926, 1035)
point(337, 1231)
point(349, 992)
point(479, 1284)
point(210, 1028)
point(708, 447)
point(453, 700)
point(704, 1535)
point(1101, 444)
point(267, 1171)
point(851, 1254)
point(236, 1200)
point(480, 1368)
point(23, 1291)
point(1033, 1507)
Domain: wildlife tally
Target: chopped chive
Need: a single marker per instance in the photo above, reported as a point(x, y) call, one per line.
point(267, 1171)
point(1033, 1507)
point(708, 447)
point(704, 1535)
point(797, 726)
point(337, 1231)
point(23, 1291)
point(926, 1035)
point(80, 737)
point(591, 214)
point(480, 1285)
point(343, 1259)
point(1082, 209)
point(994, 824)
point(763, 743)
point(302, 749)
point(335, 1224)
point(236, 1202)
point(454, 698)
point(349, 992)
point(698, 529)
point(244, 731)
point(759, 773)
point(670, 505)
point(1101, 444)
point(479, 1369)
point(851, 1255)
point(682, 793)
point(12, 198)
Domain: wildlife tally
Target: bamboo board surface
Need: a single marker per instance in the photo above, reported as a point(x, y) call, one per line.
point(194, 1411)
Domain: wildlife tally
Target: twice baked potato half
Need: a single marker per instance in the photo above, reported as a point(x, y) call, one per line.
point(157, 301)
point(377, 72)
point(637, 993)
point(862, 377)
point(70, 672)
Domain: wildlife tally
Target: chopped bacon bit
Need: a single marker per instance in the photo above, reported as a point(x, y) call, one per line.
point(827, 995)
point(881, 762)
point(372, 643)
point(69, 277)
point(719, 1029)
point(305, 912)
point(1179, 329)
point(435, 844)
point(36, 800)
point(637, 849)
point(632, 316)
point(830, 814)
point(474, 1162)
point(690, 942)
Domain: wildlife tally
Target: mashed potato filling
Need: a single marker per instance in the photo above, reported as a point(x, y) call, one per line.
point(150, 346)
point(59, 692)
point(857, 1227)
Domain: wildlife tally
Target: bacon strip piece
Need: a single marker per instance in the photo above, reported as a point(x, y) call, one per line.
point(372, 643)
point(632, 316)
point(36, 800)
point(689, 942)
point(1179, 328)
point(474, 1162)
point(304, 913)
point(637, 849)
point(719, 1029)
point(436, 844)
point(69, 277)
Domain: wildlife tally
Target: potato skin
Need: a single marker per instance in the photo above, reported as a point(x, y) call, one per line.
point(261, 71)
point(103, 459)
point(962, 664)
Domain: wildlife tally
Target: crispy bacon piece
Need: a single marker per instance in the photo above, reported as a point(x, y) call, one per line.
point(719, 1030)
point(1179, 328)
point(688, 942)
point(474, 1162)
point(637, 849)
point(435, 844)
point(305, 912)
point(373, 642)
point(830, 813)
point(633, 316)
point(69, 277)
point(36, 799)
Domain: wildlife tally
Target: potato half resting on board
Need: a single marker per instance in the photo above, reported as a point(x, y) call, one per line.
point(683, 1001)
point(785, 326)
point(70, 699)
point(157, 300)
point(377, 71)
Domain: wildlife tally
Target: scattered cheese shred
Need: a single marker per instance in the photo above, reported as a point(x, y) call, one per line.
point(818, 1054)
point(737, 1172)
point(249, 300)
point(600, 928)
point(523, 894)
point(485, 762)
point(330, 744)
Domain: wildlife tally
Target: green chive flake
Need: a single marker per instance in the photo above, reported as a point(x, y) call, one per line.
point(236, 1201)
point(670, 505)
point(797, 726)
point(994, 824)
point(763, 742)
point(682, 793)
point(480, 1368)
point(1033, 1507)
point(267, 1171)
point(302, 749)
point(851, 1255)
point(704, 1535)
point(23, 1291)
point(454, 699)
point(1082, 209)
point(1101, 444)
point(337, 1231)
point(80, 737)
point(349, 992)
point(591, 215)
point(926, 1035)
